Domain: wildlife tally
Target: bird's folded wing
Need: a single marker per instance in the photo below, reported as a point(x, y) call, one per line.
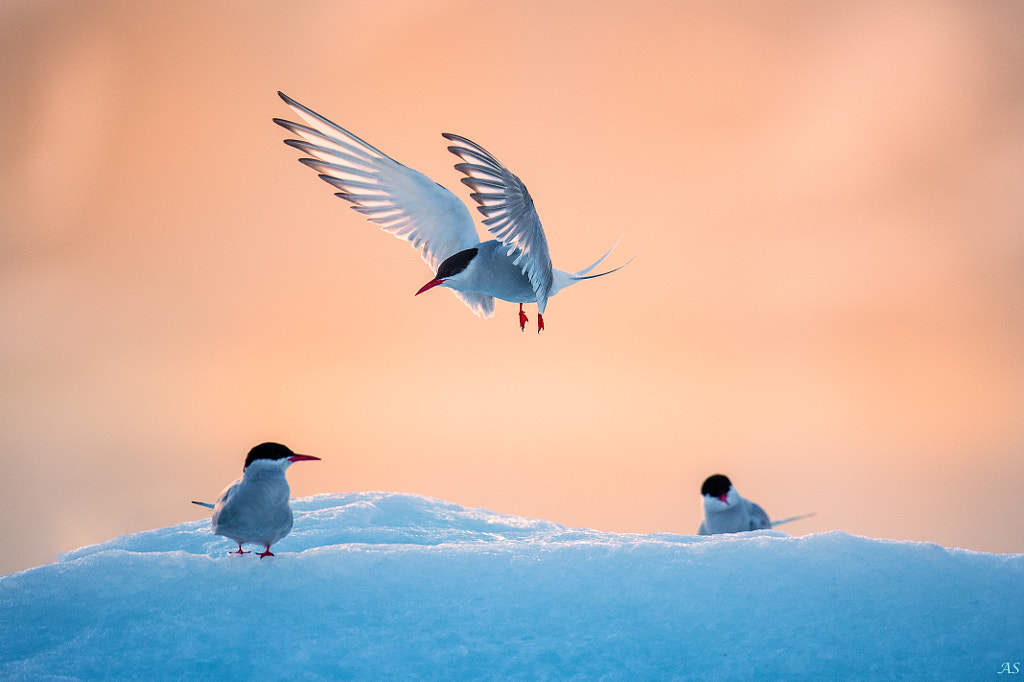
point(508, 212)
point(401, 200)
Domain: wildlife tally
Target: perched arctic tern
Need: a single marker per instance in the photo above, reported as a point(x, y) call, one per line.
point(255, 509)
point(515, 266)
point(726, 512)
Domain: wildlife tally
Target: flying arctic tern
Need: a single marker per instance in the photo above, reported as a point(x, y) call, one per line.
point(515, 266)
point(255, 508)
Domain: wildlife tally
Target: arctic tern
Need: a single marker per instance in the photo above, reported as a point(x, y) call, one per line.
point(514, 266)
point(255, 508)
point(726, 512)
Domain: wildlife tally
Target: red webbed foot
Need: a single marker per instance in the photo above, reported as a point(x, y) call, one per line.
point(266, 553)
point(240, 551)
point(540, 323)
point(523, 319)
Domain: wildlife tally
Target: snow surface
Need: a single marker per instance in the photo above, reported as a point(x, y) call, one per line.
point(395, 586)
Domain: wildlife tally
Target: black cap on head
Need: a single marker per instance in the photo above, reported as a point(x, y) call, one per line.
point(716, 485)
point(456, 263)
point(267, 451)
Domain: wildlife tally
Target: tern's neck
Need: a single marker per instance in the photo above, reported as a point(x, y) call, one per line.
point(260, 471)
point(732, 510)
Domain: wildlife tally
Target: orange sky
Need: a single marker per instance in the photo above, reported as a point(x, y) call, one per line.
point(828, 307)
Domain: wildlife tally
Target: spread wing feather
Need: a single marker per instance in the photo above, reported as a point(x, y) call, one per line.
point(508, 211)
point(401, 200)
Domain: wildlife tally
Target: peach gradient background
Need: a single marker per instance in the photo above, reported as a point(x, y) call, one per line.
point(829, 305)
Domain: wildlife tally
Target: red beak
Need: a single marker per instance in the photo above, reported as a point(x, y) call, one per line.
point(429, 285)
point(303, 458)
point(724, 498)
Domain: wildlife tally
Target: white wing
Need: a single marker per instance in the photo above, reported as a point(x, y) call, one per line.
point(758, 517)
point(223, 511)
point(508, 212)
point(401, 200)
point(481, 304)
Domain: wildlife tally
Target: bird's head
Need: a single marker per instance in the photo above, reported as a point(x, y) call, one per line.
point(719, 493)
point(450, 269)
point(275, 454)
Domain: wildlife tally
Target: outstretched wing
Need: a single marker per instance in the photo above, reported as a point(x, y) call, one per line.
point(401, 200)
point(508, 212)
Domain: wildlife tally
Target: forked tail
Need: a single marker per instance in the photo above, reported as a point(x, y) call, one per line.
point(563, 279)
point(204, 504)
point(791, 518)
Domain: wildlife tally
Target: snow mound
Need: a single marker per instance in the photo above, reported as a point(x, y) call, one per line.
point(393, 586)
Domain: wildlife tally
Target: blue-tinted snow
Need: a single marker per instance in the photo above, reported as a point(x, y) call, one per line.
point(393, 586)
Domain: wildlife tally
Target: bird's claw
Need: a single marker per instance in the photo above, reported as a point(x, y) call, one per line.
point(266, 553)
point(523, 319)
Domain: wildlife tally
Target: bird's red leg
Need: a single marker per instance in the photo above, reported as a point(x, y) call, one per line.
point(523, 319)
point(266, 553)
point(239, 550)
point(540, 322)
